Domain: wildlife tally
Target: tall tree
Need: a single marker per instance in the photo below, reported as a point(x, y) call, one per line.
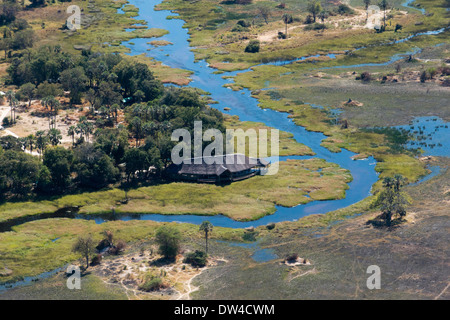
point(29, 91)
point(54, 136)
point(84, 246)
point(75, 81)
point(366, 5)
point(206, 227)
point(287, 19)
point(391, 199)
point(384, 5)
point(314, 8)
point(264, 12)
point(168, 239)
point(59, 161)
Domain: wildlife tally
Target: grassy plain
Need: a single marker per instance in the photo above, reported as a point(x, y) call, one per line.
point(210, 26)
point(413, 257)
point(298, 181)
point(44, 245)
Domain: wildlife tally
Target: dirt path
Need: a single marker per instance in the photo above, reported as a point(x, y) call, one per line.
point(190, 289)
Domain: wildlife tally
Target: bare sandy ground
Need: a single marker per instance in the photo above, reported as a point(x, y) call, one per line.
point(28, 124)
point(358, 21)
point(127, 272)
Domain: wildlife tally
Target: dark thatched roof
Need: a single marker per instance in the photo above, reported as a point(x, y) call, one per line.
point(216, 165)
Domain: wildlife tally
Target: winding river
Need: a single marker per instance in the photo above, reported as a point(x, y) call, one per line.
point(242, 104)
point(179, 55)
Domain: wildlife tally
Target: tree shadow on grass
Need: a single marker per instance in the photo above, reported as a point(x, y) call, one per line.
point(380, 223)
point(162, 262)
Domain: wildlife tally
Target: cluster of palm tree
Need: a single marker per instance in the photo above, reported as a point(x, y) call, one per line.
point(84, 128)
point(41, 140)
point(53, 104)
point(149, 119)
point(109, 111)
point(13, 103)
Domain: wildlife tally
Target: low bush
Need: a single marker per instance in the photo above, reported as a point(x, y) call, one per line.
point(117, 248)
point(365, 76)
point(250, 236)
point(151, 283)
point(253, 46)
point(344, 9)
point(291, 258)
point(239, 28)
point(244, 23)
point(96, 260)
point(196, 259)
point(281, 35)
point(316, 26)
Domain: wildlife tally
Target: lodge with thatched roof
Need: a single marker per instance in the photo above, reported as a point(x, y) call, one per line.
point(218, 169)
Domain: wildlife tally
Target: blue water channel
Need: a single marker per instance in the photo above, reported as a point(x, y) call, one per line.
point(242, 104)
point(179, 55)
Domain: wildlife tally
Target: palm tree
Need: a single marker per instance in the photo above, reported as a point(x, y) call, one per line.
point(323, 15)
point(41, 141)
point(71, 132)
point(52, 103)
point(11, 97)
point(30, 140)
point(366, 5)
point(206, 227)
point(54, 136)
point(136, 127)
point(314, 8)
point(287, 18)
point(14, 103)
point(115, 109)
point(383, 5)
point(89, 129)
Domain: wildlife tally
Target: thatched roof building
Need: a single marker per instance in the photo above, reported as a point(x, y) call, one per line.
point(218, 169)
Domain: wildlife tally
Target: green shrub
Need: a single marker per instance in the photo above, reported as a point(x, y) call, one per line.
point(239, 28)
point(344, 9)
point(316, 26)
point(250, 236)
point(281, 35)
point(365, 76)
point(244, 23)
point(96, 260)
point(253, 46)
point(196, 259)
point(151, 283)
point(168, 239)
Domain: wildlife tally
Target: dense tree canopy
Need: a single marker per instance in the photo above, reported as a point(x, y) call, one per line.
point(111, 86)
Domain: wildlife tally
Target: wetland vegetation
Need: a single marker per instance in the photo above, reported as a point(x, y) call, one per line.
point(314, 62)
